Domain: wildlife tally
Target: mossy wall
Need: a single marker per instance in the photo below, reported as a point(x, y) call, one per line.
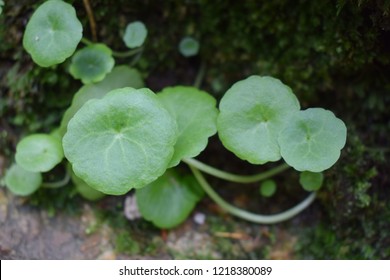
point(333, 54)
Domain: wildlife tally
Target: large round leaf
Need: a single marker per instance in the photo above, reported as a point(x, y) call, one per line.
point(53, 33)
point(119, 77)
point(135, 34)
point(39, 152)
point(196, 116)
point(122, 141)
point(169, 200)
point(252, 114)
point(92, 63)
point(312, 140)
point(22, 182)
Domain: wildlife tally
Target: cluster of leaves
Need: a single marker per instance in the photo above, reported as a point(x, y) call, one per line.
point(118, 136)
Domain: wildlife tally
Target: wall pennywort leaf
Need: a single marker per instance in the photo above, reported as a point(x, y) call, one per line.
point(52, 33)
point(92, 63)
point(22, 182)
point(252, 114)
point(124, 140)
point(39, 152)
point(196, 115)
point(312, 140)
point(169, 200)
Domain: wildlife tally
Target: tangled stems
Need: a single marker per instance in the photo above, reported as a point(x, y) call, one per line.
point(234, 177)
point(255, 218)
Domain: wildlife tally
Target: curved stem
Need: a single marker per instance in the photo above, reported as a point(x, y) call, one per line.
point(58, 184)
point(255, 218)
point(127, 53)
point(244, 179)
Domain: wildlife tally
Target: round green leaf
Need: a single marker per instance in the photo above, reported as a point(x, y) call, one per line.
point(135, 34)
point(188, 46)
point(312, 140)
point(122, 141)
point(268, 188)
point(119, 77)
point(1, 6)
point(53, 33)
point(252, 114)
point(311, 181)
point(39, 152)
point(196, 116)
point(92, 63)
point(22, 182)
point(169, 200)
point(85, 190)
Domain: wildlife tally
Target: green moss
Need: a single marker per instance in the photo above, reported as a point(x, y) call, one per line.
point(56, 200)
point(124, 243)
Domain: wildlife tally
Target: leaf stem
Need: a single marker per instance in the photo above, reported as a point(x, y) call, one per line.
point(200, 75)
point(58, 184)
point(91, 19)
point(252, 217)
point(244, 179)
point(86, 41)
point(127, 53)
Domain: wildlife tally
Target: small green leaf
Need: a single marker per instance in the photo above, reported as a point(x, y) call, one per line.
point(169, 200)
point(122, 141)
point(92, 63)
point(311, 181)
point(85, 190)
point(22, 182)
point(312, 140)
point(53, 33)
point(268, 188)
point(252, 114)
point(119, 77)
point(188, 46)
point(39, 152)
point(196, 116)
point(135, 34)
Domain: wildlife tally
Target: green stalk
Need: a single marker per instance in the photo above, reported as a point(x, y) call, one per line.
point(255, 218)
point(199, 77)
point(234, 177)
point(127, 53)
point(58, 184)
point(86, 41)
point(115, 53)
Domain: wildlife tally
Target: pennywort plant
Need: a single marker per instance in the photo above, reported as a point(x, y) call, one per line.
point(119, 136)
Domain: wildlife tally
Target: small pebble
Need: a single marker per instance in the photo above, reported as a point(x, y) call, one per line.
point(131, 209)
point(199, 218)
